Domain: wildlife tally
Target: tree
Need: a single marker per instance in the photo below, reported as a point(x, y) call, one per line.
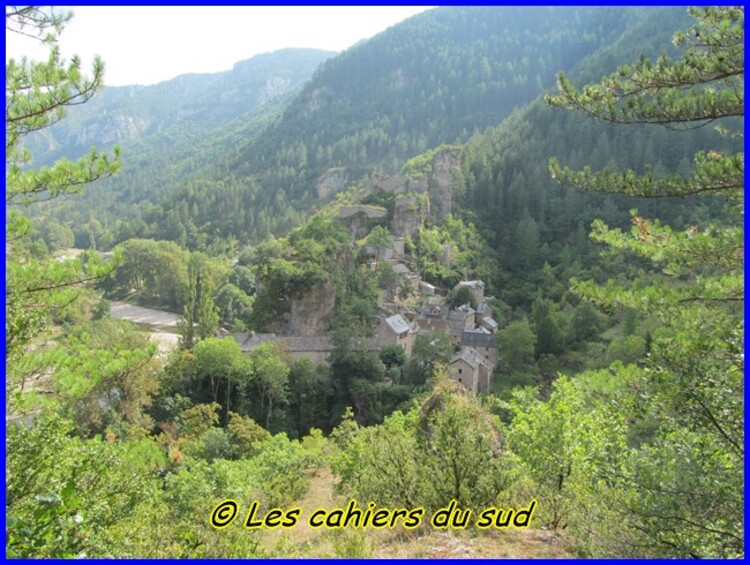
point(559, 442)
point(517, 343)
point(220, 361)
point(200, 312)
point(430, 350)
point(393, 355)
point(379, 238)
point(706, 85)
point(208, 316)
point(310, 395)
point(37, 96)
point(271, 379)
point(585, 324)
point(107, 374)
point(447, 447)
point(63, 493)
point(548, 334)
point(691, 388)
point(459, 297)
point(234, 305)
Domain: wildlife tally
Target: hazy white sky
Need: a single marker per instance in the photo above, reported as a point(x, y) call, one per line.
point(150, 44)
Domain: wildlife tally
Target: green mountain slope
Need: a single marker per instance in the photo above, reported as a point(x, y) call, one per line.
point(439, 77)
point(181, 110)
point(436, 78)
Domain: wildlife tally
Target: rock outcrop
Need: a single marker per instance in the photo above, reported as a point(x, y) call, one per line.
point(311, 315)
point(409, 213)
point(440, 179)
point(445, 165)
point(360, 219)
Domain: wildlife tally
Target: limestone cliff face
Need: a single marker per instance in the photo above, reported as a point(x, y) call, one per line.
point(445, 166)
point(440, 181)
point(275, 87)
point(360, 219)
point(110, 129)
point(311, 315)
point(392, 183)
point(409, 213)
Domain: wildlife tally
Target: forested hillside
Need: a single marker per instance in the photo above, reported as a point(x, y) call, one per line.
point(169, 133)
point(436, 78)
point(491, 260)
point(180, 111)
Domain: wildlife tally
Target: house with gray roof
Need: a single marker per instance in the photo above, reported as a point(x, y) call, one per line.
point(434, 318)
point(484, 310)
point(460, 319)
point(471, 370)
point(483, 342)
point(407, 274)
point(396, 330)
point(489, 324)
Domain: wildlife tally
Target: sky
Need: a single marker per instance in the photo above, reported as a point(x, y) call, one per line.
point(150, 44)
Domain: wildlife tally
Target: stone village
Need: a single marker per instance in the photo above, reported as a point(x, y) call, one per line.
point(415, 307)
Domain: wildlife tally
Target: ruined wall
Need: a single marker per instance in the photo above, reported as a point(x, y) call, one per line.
point(360, 219)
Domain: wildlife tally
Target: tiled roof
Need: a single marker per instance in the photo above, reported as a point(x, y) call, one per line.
point(471, 357)
point(461, 312)
point(483, 308)
point(299, 344)
point(250, 341)
point(434, 311)
point(478, 338)
point(471, 284)
point(397, 324)
point(489, 322)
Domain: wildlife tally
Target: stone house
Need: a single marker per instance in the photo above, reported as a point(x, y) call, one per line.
point(489, 324)
point(468, 368)
point(434, 318)
point(426, 289)
point(412, 278)
point(396, 330)
point(483, 342)
point(460, 319)
point(484, 310)
point(398, 246)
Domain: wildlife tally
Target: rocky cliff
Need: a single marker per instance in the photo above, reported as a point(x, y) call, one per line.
point(409, 213)
point(436, 174)
point(311, 315)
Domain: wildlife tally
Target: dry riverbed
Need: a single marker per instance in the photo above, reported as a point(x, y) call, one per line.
point(160, 325)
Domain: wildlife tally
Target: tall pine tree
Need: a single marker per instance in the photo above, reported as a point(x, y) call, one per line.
point(681, 492)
